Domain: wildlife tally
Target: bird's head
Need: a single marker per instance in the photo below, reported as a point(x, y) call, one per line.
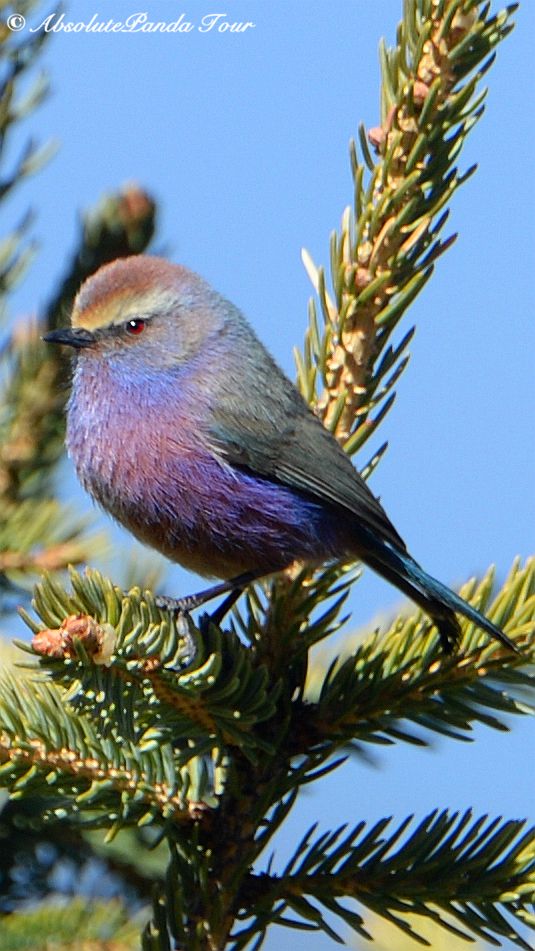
point(145, 312)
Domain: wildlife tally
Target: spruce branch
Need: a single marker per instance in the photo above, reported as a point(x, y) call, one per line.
point(285, 605)
point(471, 876)
point(99, 643)
point(390, 239)
point(77, 925)
point(31, 854)
point(46, 752)
point(399, 677)
point(388, 243)
point(35, 532)
point(18, 58)
point(365, 699)
point(122, 223)
point(34, 391)
point(37, 536)
point(31, 438)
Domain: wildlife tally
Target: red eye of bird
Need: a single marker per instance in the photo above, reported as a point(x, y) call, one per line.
point(135, 326)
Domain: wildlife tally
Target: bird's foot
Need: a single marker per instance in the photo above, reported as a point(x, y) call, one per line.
point(233, 588)
point(184, 628)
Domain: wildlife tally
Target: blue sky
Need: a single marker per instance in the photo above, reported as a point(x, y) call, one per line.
point(243, 139)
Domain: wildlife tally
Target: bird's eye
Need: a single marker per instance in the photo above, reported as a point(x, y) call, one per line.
point(136, 326)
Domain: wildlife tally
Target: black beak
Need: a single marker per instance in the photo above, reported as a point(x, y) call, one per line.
point(75, 337)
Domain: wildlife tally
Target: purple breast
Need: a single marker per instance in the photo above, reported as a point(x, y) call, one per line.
point(142, 455)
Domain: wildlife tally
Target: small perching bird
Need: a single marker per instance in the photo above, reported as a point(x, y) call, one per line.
point(181, 425)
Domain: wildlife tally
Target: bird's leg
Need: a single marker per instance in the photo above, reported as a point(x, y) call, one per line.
point(183, 606)
point(217, 616)
point(192, 601)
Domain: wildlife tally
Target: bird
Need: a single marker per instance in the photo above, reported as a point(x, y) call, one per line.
point(182, 426)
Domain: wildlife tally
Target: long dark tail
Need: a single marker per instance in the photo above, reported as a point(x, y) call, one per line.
point(435, 598)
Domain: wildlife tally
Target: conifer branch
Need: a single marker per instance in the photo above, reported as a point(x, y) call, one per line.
point(391, 238)
point(34, 396)
point(39, 535)
point(46, 751)
point(121, 224)
point(388, 243)
point(285, 604)
point(35, 532)
point(364, 699)
point(399, 676)
point(473, 877)
point(96, 641)
point(76, 925)
point(18, 57)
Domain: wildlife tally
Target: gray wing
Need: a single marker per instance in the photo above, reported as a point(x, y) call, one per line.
point(264, 425)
